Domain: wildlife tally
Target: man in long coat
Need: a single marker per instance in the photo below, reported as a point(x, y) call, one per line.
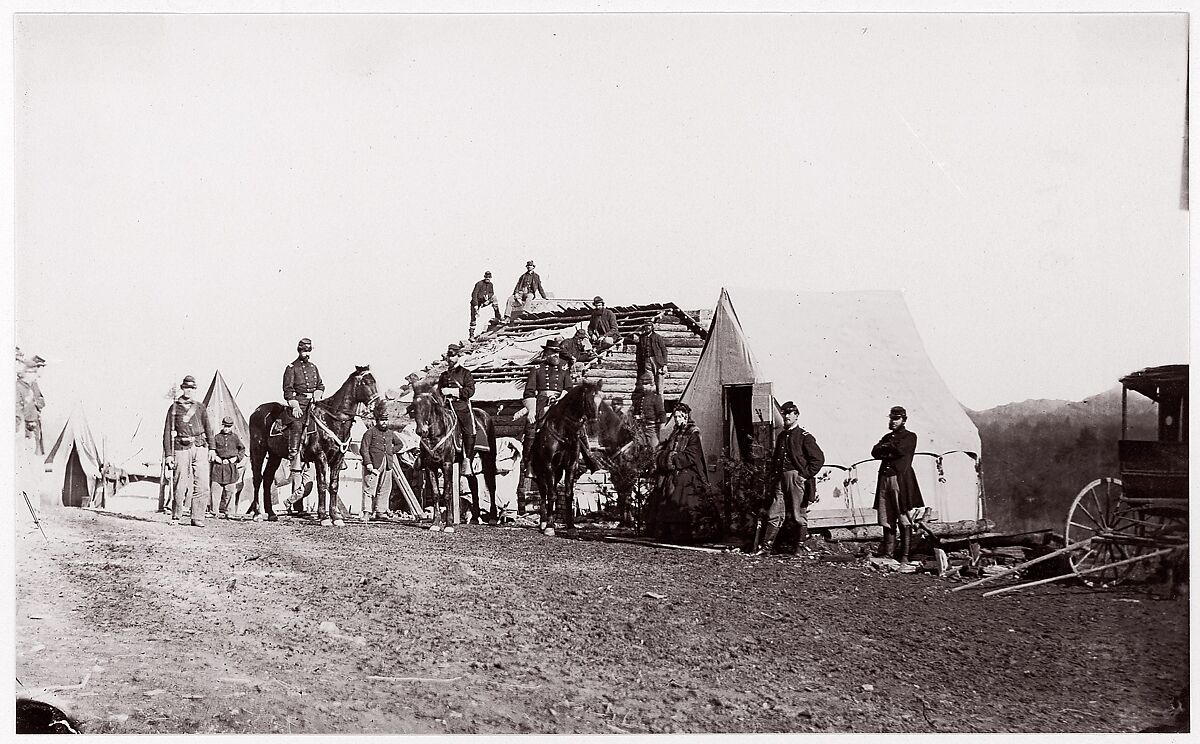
point(682, 480)
point(897, 490)
point(302, 386)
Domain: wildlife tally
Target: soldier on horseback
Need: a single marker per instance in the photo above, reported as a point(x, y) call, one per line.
point(302, 386)
point(458, 385)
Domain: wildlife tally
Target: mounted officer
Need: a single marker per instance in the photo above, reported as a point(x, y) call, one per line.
point(302, 386)
point(458, 385)
point(546, 383)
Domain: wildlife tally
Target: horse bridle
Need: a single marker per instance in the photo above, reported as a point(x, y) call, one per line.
point(350, 414)
point(450, 426)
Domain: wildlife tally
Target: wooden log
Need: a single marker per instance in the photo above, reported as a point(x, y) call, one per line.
point(851, 534)
point(964, 528)
point(681, 364)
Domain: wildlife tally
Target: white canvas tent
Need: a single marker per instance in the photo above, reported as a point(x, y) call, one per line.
point(219, 403)
point(76, 460)
point(845, 358)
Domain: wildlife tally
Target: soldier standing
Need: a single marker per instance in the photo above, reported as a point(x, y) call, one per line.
point(186, 436)
point(228, 451)
point(795, 465)
point(457, 386)
point(302, 386)
point(482, 295)
point(896, 489)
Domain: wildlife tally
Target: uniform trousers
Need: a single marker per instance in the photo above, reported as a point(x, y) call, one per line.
point(191, 481)
point(377, 490)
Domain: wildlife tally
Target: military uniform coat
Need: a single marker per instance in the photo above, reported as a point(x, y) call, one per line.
point(301, 379)
point(191, 426)
point(229, 449)
point(896, 451)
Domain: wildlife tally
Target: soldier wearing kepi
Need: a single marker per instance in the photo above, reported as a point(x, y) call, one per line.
point(896, 491)
point(457, 386)
point(794, 467)
point(482, 295)
point(186, 436)
point(225, 475)
point(302, 386)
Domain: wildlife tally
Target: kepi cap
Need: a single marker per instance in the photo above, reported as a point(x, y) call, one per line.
point(188, 382)
point(897, 412)
point(454, 349)
point(528, 264)
point(304, 344)
point(487, 275)
point(597, 300)
point(790, 407)
point(227, 421)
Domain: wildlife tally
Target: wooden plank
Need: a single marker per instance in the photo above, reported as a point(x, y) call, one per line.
point(669, 546)
point(1026, 564)
point(406, 488)
point(842, 518)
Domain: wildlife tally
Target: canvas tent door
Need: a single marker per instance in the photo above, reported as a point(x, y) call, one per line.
point(77, 484)
point(747, 420)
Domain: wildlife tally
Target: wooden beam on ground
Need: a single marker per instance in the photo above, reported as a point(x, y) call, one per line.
point(1014, 569)
point(1097, 569)
point(670, 546)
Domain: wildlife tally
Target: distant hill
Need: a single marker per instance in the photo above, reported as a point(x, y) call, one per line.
point(1038, 454)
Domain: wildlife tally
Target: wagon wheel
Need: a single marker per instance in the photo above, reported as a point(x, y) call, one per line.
point(1099, 513)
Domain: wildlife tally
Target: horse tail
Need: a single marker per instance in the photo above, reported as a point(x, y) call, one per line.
point(259, 430)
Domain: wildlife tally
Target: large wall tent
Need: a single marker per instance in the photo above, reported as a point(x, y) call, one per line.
point(75, 459)
point(845, 358)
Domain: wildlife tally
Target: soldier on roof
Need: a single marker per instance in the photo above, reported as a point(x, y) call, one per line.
point(577, 349)
point(186, 436)
point(302, 386)
point(458, 386)
point(602, 327)
point(482, 295)
point(529, 285)
point(650, 357)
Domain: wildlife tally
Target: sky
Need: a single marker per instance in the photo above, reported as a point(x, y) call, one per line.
point(198, 192)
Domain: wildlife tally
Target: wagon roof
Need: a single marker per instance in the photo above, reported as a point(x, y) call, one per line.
point(1153, 382)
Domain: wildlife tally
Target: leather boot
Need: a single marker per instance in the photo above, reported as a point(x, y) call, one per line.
point(768, 541)
point(802, 536)
point(297, 475)
point(905, 539)
point(888, 546)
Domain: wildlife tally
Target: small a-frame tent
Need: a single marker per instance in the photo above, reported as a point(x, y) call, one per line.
point(844, 358)
point(77, 459)
point(219, 403)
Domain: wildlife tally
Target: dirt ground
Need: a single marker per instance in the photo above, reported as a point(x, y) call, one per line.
point(502, 630)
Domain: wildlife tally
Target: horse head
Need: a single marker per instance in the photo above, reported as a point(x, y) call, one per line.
point(359, 390)
point(426, 411)
point(591, 398)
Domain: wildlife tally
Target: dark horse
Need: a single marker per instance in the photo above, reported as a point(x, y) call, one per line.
point(626, 455)
point(556, 448)
point(324, 442)
point(441, 447)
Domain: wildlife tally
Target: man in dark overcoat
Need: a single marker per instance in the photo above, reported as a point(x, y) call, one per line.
point(897, 490)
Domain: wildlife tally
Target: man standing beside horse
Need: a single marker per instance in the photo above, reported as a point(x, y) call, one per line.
point(457, 385)
point(186, 436)
point(302, 386)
